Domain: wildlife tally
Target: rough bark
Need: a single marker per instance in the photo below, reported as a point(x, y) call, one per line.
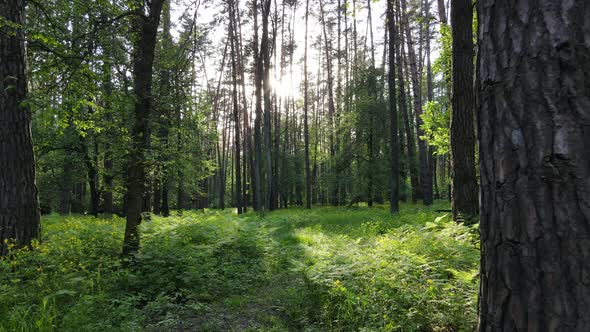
point(534, 131)
point(147, 29)
point(19, 206)
point(464, 184)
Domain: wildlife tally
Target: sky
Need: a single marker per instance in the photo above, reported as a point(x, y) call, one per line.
point(208, 11)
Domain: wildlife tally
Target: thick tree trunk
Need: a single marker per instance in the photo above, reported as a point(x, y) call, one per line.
point(19, 206)
point(147, 29)
point(534, 131)
point(464, 184)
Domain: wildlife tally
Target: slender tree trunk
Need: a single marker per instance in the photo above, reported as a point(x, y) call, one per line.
point(393, 130)
point(331, 109)
point(442, 12)
point(65, 201)
point(164, 112)
point(410, 142)
point(91, 172)
point(258, 69)
point(265, 55)
point(248, 149)
point(236, 113)
point(108, 176)
point(19, 205)
point(429, 94)
point(425, 172)
point(147, 29)
point(533, 128)
point(464, 184)
point(370, 22)
point(305, 114)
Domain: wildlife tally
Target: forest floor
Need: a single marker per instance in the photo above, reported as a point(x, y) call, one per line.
point(325, 269)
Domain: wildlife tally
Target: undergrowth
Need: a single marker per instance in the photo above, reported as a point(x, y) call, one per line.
point(328, 269)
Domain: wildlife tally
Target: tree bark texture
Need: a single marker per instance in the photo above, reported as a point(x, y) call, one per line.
point(19, 206)
point(464, 183)
point(534, 129)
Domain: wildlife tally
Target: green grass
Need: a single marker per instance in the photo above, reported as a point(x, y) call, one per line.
point(328, 269)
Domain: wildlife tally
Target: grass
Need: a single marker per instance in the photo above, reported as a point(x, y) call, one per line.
point(328, 269)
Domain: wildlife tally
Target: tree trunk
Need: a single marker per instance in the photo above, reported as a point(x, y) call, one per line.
point(107, 87)
point(147, 28)
point(464, 184)
point(533, 98)
point(331, 110)
point(164, 111)
point(305, 114)
point(393, 130)
point(425, 173)
point(265, 55)
point(258, 74)
point(19, 205)
point(410, 142)
point(236, 113)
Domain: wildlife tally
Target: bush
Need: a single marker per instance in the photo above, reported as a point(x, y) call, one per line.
point(326, 269)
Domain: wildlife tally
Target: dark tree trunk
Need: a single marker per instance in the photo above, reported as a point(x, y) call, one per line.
point(425, 172)
point(108, 176)
point(65, 199)
point(164, 112)
point(258, 74)
point(92, 174)
point(265, 55)
point(464, 184)
point(248, 149)
point(442, 12)
point(19, 206)
point(305, 115)
point(236, 108)
point(147, 29)
point(534, 132)
point(409, 133)
point(331, 110)
point(393, 130)
point(165, 202)
point(157, 203)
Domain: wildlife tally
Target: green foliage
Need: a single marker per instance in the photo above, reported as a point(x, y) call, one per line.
point(436, 124)
point(334, 269)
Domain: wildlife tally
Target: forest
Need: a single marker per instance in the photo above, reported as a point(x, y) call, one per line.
point(294, 165)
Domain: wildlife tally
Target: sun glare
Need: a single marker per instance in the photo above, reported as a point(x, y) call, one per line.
point(283, 88)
